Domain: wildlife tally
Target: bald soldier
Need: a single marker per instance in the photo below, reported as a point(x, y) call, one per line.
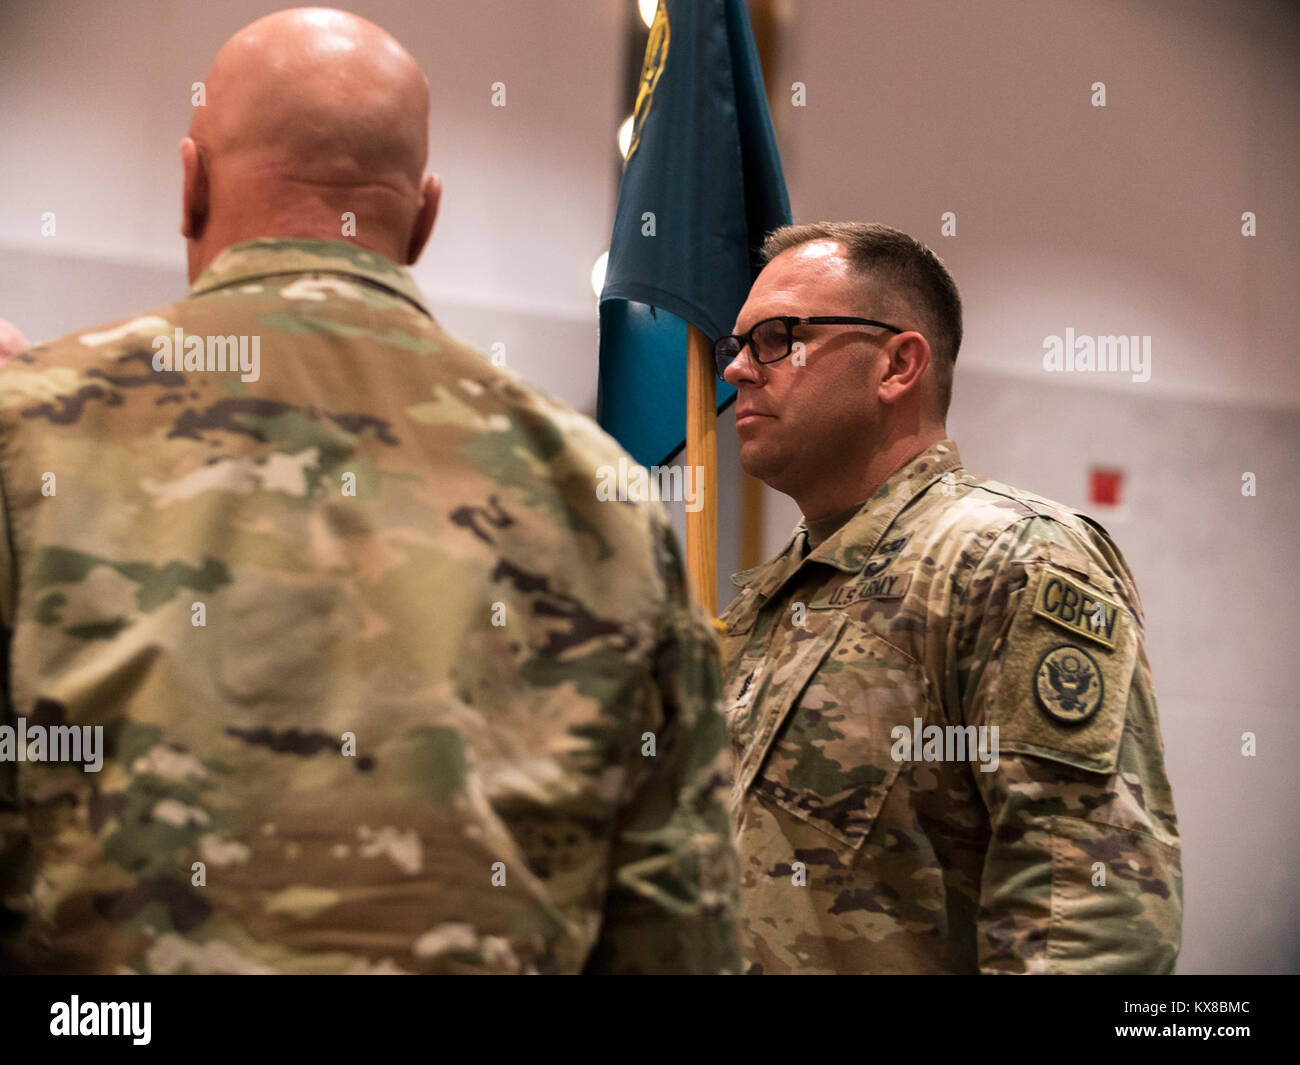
point(11, 340)
point(938, 694)
point(323, 654)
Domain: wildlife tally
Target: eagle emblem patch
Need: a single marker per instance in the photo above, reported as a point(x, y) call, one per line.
point(1068, 684)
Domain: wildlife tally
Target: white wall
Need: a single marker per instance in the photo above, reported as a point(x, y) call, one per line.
point(1123, 219)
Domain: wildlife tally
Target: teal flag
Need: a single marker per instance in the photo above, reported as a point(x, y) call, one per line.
point(701, 188)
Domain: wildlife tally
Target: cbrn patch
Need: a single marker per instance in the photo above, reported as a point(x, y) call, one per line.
point(1069, 684)
point(1058, 698)
point(1077, 608)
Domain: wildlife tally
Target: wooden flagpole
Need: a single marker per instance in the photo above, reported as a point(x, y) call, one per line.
point(702, 455)
point(751, 520)
point(701, 412)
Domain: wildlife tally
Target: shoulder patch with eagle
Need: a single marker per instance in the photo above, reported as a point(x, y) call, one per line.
point(1064, 701)
point(1069, 684)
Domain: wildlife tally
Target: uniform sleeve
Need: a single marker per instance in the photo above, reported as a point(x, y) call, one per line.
point(672, 899)
point(8, 565)
point(13, 826)
point(1083, 868)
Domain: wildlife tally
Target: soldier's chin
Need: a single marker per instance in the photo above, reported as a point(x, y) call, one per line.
point(757, 460)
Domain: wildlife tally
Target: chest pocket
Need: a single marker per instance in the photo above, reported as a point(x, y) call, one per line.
point(813, 731)
point(738, 618)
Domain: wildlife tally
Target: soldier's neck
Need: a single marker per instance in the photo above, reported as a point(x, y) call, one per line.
point(846, 487)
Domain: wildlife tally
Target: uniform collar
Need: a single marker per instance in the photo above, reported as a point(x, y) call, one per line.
point(266, 257)
point(849, 548)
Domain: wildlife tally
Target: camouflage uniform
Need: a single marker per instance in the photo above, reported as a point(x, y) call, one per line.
point(949, 601)
point(537, 772)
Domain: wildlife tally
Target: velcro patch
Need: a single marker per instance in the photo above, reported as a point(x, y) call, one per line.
point(1056, 698)
point(874, 588)
point(1077, 608)
point(892, 587)
point(1069, 684)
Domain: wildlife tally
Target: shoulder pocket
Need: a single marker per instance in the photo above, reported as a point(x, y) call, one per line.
point(823, 753)
point(1060, 682)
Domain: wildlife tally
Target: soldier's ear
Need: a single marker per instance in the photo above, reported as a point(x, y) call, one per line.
point(194, 191)
point(430, 198)
point(908, 356)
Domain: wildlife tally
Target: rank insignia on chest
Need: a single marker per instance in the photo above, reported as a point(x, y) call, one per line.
point(1077, 608)
point(1069, 685)
point(747, 688)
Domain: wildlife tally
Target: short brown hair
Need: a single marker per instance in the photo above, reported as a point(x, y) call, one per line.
point(908, 271)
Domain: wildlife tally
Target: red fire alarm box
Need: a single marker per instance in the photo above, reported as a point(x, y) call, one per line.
point(1105, 487)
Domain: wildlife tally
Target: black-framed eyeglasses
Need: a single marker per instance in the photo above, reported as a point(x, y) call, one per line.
point(772, 339)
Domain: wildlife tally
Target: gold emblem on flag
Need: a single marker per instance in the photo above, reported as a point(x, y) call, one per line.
point(656, 55)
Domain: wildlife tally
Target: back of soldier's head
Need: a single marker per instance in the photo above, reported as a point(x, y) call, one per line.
point(313, 123)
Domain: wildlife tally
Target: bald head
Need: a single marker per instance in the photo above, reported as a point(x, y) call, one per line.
point(11, 340)
point(309, 114)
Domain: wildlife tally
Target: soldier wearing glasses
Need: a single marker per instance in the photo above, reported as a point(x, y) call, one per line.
point(948, 754)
